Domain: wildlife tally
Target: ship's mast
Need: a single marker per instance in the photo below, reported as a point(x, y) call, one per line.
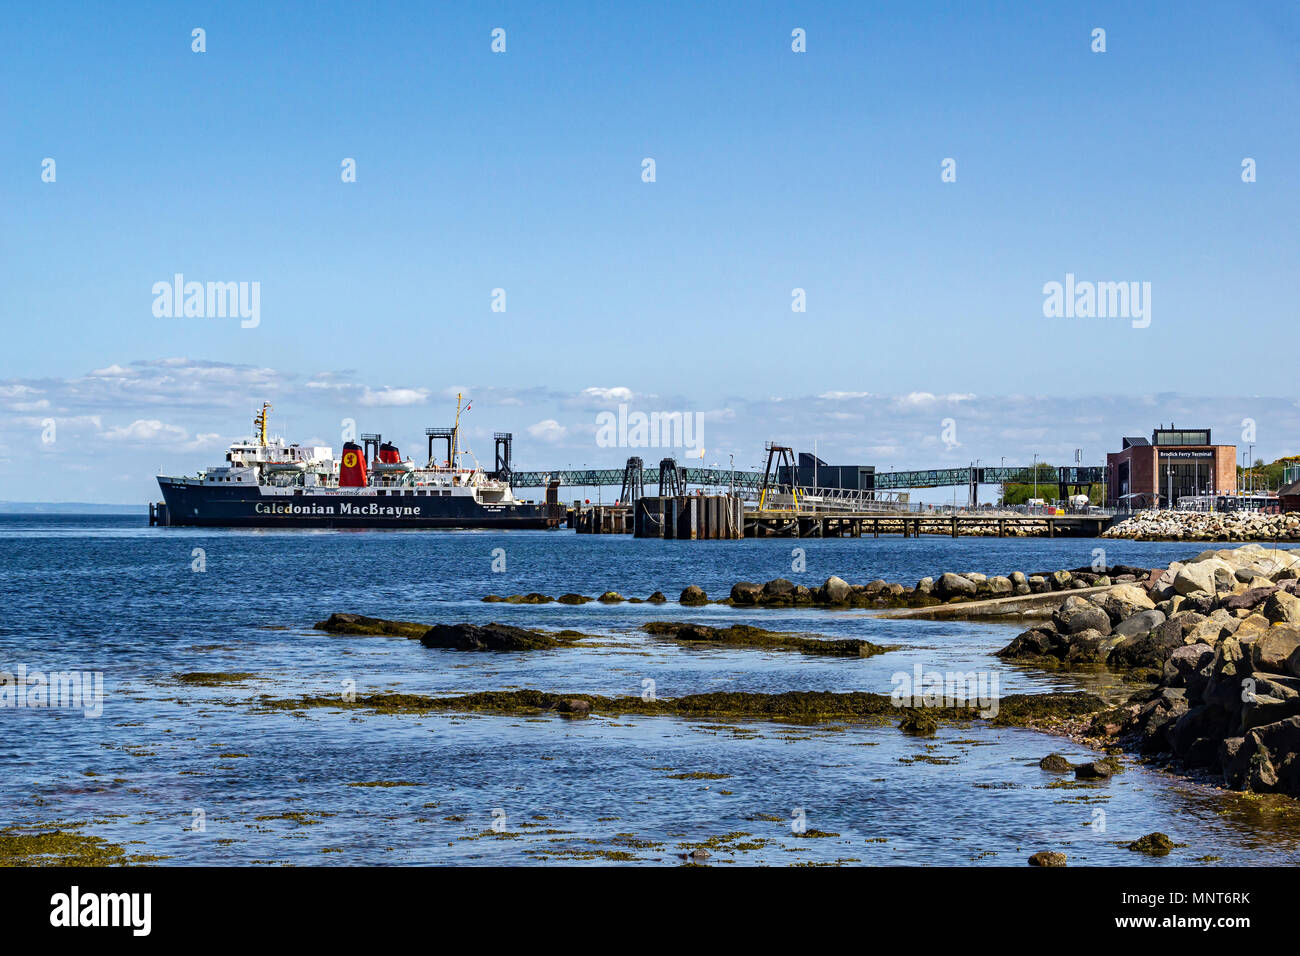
point(259, 422)
point(455, 436)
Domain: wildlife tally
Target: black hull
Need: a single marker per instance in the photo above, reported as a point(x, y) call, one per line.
point(194, 505)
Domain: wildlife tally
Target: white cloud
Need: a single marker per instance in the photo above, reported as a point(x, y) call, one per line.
point(616, 394)
point(548, 430)
point(17, 391)
point(205, 440)
point(913, 399)
point(147, 430)
point(843, 396)
point(388, 396)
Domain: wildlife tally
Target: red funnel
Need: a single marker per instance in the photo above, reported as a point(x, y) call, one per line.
point(352, 469)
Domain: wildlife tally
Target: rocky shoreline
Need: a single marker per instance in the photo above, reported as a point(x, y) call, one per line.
point(1207, 526)
point(835, 592)
point(1219, 638)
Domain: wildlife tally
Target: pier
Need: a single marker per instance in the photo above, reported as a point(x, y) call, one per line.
point(729, 505)
point(725, 517)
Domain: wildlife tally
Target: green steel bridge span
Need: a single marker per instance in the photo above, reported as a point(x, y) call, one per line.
point(751, 482)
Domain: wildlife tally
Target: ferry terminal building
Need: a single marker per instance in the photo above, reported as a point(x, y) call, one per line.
point(1175, 463)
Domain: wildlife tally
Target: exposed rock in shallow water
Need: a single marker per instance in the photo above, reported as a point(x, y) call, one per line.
point(835, 591)
point(1047, 858)
point(1156, 844)
point(531, 598)
point(488, 637)
point(919, 721)
point(693, 595)
point(1055, 763)
point(1094, 770)
point(788, 707)
point(742, 635)
point(461, 637)
point(574, 707)
point(360, 624)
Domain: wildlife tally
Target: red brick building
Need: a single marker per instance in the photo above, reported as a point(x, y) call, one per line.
point(1176, 462)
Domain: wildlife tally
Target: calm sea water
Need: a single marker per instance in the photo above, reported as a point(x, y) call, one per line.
point(108, 594)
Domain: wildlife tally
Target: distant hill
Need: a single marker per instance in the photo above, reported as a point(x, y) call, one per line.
point(68, 508)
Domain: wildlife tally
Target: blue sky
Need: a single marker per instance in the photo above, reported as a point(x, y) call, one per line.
point(775, 170)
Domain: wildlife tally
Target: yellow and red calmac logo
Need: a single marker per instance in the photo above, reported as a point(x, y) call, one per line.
point(350, 460)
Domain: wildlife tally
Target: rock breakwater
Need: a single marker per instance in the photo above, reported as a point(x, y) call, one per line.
point(1219, 638)
point(1207, 526)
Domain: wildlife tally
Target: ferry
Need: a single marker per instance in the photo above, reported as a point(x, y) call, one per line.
point(267, 483)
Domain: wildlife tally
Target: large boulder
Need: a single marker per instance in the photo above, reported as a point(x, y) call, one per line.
point(1142, 622)
point(1149, 650)
point(1079, 614)
point(1201, 722)
point(693, 595)
point(1088, 646)
point(835, 591)
point(1274, 648)
point(745, 593)
point(999, 586)
point(1028, 645)
point(1149, 728)
point(1252, 627)
point(1208, 630)
point(1160, 584)
point(1249, 599)
point(952, 585)
point(1209, 576)
point(1227, 671)
point(1124, 600)
point(778, 591)
point(1267, 758)
point(1261, 709)
point(1282, 607)
point(1186, 661)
